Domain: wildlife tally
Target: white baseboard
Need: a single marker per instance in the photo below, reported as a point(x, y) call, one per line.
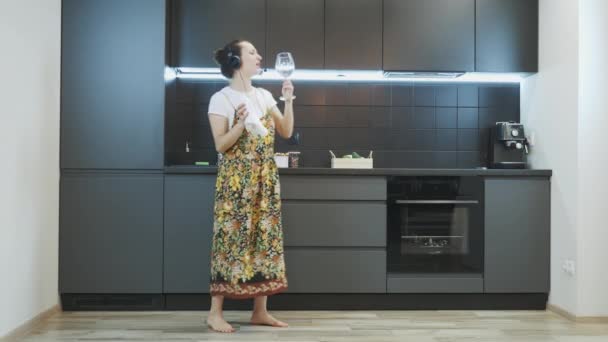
point(21, 331)
point(579, 319)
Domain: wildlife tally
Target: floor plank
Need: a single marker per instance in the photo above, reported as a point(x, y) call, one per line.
point(323, 326)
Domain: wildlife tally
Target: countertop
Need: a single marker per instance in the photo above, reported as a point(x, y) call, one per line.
point(191, 169)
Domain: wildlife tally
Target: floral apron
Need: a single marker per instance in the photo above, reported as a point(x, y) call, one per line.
point(247, 247)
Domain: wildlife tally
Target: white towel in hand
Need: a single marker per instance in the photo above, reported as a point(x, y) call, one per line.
point(255, 126)
point(252, 122)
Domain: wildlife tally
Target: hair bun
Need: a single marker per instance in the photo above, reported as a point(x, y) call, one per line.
point(220, 56)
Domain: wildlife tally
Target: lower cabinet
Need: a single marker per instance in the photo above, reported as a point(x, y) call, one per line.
point(327, 270)
point(111, 232)
point(188, 231)
point(434, 283)
point(335, 233)
point(517, 235)
point(325, 223)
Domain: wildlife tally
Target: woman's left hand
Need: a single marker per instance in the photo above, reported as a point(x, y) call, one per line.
point(287, 90)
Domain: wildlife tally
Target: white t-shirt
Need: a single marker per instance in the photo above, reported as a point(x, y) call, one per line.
point(225, 101)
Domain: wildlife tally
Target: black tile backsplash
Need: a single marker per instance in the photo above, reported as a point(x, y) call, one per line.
point(417, 125)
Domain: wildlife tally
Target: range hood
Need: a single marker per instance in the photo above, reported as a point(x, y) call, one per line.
point(363, 76)
point(421, 74)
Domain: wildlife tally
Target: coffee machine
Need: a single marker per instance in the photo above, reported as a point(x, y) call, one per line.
point(508, 146)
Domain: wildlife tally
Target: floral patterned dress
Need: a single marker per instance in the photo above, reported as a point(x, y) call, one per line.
point(247, 247)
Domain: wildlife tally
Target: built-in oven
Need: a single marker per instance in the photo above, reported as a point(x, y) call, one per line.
point(435, 224)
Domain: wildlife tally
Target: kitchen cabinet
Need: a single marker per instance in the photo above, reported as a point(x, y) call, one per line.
point(431, 283)
point(112, 85)
point(296, 26)
point(111, 232)
point(517, 235)
point(198, 28)
point(353, 34)
point(429, 35)
point(334, 233)
point(344, 223)
point(327, 270)
point(345, 188)
point(188, 231)
point(507, 36)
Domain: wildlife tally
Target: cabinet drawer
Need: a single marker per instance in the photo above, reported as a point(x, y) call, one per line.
point(324, 270)
point(333, 187)
point(426, 283)
point(334, 223)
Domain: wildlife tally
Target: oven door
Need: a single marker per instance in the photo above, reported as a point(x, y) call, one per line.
point(436, 236)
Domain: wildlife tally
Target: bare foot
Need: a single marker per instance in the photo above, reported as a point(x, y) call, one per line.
point(218, 324)
point(264, 318)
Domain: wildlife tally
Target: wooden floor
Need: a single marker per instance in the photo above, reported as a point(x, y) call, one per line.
point(402, 326)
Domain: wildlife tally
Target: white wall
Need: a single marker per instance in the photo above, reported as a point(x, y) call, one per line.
point(29, 150)
point(566, 104)
point(549, 103)
point(593, 158)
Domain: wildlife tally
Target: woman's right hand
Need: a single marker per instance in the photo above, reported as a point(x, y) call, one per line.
point(241, 114)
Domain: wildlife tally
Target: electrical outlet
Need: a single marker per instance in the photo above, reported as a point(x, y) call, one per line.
point(568, 267)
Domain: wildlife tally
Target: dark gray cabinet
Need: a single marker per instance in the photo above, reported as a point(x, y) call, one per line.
point(111, 233)
point(296, 26)
point(325, 270)
point(198, 28)
point(188, 231)
point(345, 223)
point(429, 35)
point(353, 34)
point(112, 84)
point(318, 187)
point(434, 283)
point(517, 235)
point(334, 233)
point(507, 36)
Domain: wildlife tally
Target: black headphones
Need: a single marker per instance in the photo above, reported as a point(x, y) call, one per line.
point(233, 59)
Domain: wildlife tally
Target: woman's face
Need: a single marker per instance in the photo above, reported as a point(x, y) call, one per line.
point(250, 59)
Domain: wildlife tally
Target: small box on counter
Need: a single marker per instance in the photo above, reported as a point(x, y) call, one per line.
point(282, 159)
point(352, 161)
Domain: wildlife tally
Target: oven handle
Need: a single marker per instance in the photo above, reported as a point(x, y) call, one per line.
point(437, 201)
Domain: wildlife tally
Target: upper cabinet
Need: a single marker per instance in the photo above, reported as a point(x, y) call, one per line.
point(429, 35)
point(198, 28)
point(406, 35)
point(353, 34)
point(296, 26)
point(112, 84)
point(507, 36)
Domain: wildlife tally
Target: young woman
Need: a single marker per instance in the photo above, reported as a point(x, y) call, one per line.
point(247, 247)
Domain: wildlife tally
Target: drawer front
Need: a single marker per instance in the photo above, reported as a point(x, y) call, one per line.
point(324, 270)
point(333, 188)
point(424, 283)
point(356, 224)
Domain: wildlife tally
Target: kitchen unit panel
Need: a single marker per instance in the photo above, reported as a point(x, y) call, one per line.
point(321, 223)
point(434, 283)
point(429, 35)
point(111, 233)
point(333, 188)
point(296, 26)
point(353, 34)
point(188, 231)
point(201, 27)
point(507, 36)
point(325, 270)
point(112, 85)
point(517, 235)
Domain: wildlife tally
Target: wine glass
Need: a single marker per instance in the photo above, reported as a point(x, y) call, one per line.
point(285, 66)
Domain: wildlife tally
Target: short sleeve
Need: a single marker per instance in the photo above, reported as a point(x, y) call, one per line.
point(268, 99)
point(218, 104)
